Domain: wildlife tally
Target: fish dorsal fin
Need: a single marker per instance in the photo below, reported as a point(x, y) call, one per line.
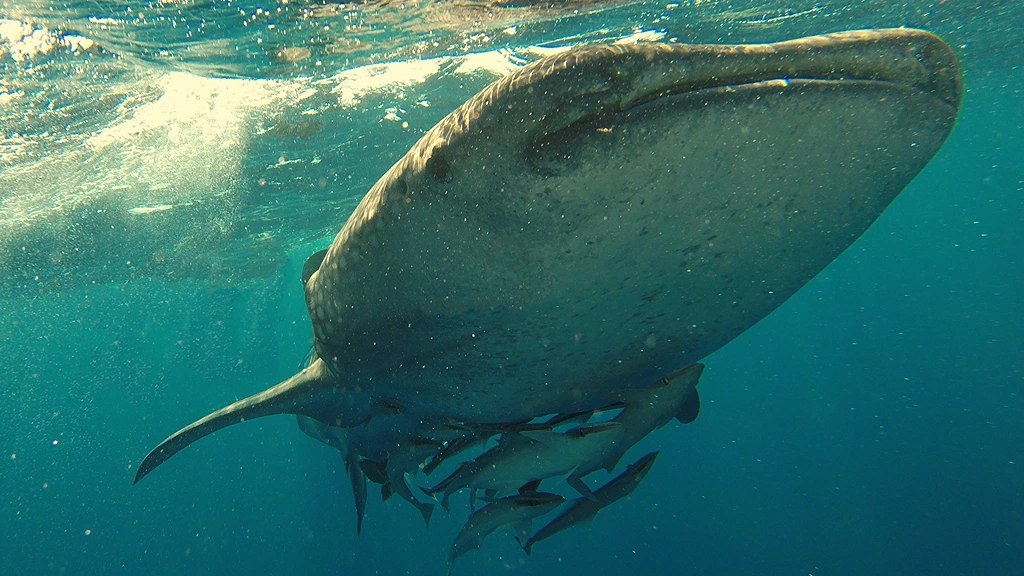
point(577, 418)
point(376, 472)
point(516, 440)
point(509, 438)
point(588, 429)
point(545, 437)
point(612, 461)
point(530, 487)
point(312, 265)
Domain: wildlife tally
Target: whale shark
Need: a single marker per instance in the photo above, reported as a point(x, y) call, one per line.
point(591, 222)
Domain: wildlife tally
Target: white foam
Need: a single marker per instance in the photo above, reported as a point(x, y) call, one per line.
point(151, 209)
point(195, 110)
point(354, 84)
point(24, 41)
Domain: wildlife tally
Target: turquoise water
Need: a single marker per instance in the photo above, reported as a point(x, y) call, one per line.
point(166, 168)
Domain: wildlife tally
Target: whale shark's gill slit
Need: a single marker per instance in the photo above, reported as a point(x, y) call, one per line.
point(312, 264)
point(307, 358)
point(438, 166)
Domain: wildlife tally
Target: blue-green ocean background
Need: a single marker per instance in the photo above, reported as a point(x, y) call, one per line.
point(165, 168)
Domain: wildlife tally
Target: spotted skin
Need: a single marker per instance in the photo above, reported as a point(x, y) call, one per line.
point(600, 217)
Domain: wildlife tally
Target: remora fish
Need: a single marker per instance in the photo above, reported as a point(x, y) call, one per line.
point(403, 460)
point(526, 457)
point(644, 410)
point(336, 438)
point(380, 452)
point(583, 509)
point(507, 511)
point(678, 193)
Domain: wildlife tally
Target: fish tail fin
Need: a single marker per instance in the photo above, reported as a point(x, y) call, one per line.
point(426, 510)
point(358, 481)
point(523, 529)
point(689, 377)
point(432, 494)
point(690, 409)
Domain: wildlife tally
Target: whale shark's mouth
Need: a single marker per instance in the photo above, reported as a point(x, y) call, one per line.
point(872, 56)
point(903, 59)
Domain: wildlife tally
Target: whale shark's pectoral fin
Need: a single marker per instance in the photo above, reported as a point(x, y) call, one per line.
point(304, 393)
point(690, 409)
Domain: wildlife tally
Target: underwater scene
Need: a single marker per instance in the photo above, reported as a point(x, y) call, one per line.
point(554, 222)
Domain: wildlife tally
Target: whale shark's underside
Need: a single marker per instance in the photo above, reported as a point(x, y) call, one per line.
point(590, 223)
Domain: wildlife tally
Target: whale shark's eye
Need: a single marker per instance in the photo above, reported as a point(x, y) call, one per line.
point(438, 166)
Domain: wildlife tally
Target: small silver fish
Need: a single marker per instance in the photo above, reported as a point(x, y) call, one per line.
point(509, 511)
point(583, 509)
point(528, 456)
